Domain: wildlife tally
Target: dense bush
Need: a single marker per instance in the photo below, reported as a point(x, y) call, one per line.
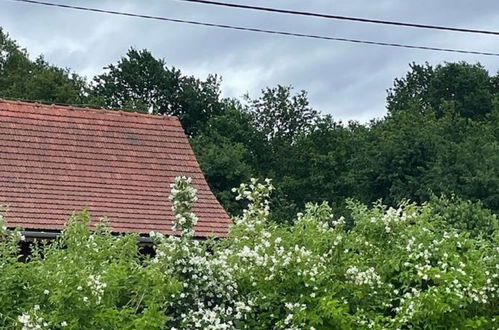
point(406, 268)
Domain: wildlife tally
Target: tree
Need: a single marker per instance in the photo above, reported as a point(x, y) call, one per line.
point(440, 136)
point(412, 155)
point(394, 156)
point(317, 167)
point(260, 141)
point(282, 116)
point(466, 89)
point(468, 166)
point(141, 82)
point(22, 78)
point(230, 151)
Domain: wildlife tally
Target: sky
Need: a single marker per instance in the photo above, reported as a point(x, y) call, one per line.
point(349, 81)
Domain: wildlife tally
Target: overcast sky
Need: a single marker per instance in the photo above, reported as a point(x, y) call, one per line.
point(346, 80)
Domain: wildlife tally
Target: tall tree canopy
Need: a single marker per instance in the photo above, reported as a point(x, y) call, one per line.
point(282, 116)
point(141, 82)
point(230, 151)
point(22, 78)
point(466, 89)
point(440, 135)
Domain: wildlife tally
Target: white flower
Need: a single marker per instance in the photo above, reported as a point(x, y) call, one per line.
point(46, 292)
point(24, 319)
point(183, 195)
point(367, 277)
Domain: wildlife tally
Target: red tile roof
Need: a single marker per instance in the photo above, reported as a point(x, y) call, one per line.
point(55, 160)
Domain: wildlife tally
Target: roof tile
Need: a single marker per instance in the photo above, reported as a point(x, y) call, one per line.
point(56, 160)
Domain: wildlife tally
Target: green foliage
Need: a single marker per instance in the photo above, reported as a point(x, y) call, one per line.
point(426, 145)
point(441, 134)
point(466, 216)
point(280, 116)
point(463, 88)
point(317, 167)
point(412, 155)
point(84, 280)
point(141, 82)
point(36, 80)
point(230, 151)
point(414, 267)
point(396, 157)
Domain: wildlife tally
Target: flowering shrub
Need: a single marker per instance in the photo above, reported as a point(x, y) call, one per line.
point(405, 268)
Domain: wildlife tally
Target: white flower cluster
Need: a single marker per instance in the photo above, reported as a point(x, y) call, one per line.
point(32, 321)
point(363, 321)
point(321, 216)
point(292, 308)
point(3, 227)
point(97, 287)
point(183, 195)
point(367, 277)
point(274, 276)
point(258, 209)
point(392, 217)
point(209, 298)
point(216, 317)
point(448, 269)
point(276, 261)
point(410, 302)
point(436, 260)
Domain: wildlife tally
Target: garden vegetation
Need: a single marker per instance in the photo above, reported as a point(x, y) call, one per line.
point(390, 224)
point(410, 267)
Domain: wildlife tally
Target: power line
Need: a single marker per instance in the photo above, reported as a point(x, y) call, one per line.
point(345, 18)
point(248, 29)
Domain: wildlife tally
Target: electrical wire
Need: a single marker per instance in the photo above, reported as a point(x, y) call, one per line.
point(258, 30)
point(345, 18)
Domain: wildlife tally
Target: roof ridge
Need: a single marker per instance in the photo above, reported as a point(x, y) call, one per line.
point(84, 108)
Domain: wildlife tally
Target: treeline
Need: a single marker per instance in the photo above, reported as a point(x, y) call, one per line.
point(440, 134)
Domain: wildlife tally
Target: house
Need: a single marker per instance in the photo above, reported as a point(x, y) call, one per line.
point(55, 160)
